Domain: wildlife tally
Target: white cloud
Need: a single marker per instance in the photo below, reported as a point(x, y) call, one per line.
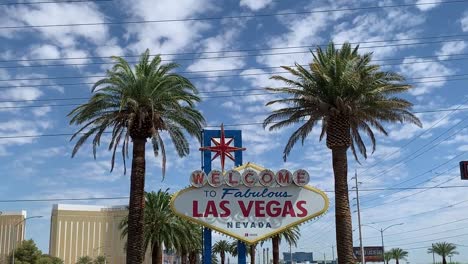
point(166, 37)
point(464, 22)
point(392, 24)
point(426, 5)
point(63, 13)
point(21, 127)
point(451, 48)
point(22, 93)
point(255, 5)
point(45, 51)
point(41, 111)
point(430, 68)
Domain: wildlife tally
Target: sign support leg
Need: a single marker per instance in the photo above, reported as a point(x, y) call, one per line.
point(241, 253)
point(206, 246)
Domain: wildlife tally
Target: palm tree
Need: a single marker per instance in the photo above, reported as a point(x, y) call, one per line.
point(387, 257)
point(346, 94)
point(191, 243)
point(85, 260)
point(100, 260)
point(398, 253)
point(222, 247)
point(161, 227)
point(443, 249)
point(137, 105)
point(291, 236)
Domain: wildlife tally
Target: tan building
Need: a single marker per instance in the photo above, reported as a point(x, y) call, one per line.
point(84, 230)
point(12, 229)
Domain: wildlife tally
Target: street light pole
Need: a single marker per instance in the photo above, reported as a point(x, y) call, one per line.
point(382, 230)
point(14, 235)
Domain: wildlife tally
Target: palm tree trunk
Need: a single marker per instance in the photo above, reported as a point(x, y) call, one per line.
point(275, 249)
point(252, 254)
point(156, 254)
point(193, 258)
point(183, 257)
point(135, 250)
point(444, 261)
point(223, 256)
point(344, 231)
point(397, 261)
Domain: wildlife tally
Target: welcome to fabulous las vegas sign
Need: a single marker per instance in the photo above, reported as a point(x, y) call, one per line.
point(250, 203)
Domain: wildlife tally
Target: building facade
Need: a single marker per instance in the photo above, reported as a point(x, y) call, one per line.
point(84, 230)
point(12, 229)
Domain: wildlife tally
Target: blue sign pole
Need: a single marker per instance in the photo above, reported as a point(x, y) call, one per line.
point(207, 135)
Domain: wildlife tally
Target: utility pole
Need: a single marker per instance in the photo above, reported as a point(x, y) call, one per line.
point(264, 256)
point(268, 256)
point(363, 261)
point(324, 259)
point(333, 252)
point(258, 261)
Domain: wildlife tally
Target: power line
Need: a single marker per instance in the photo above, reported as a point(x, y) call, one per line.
point(126, 197)
point(413, 194)
point(420, 213)
point(234, 17)
point(431, 234)
point(201, 92)
point(227, 125)
point(428, 240)
point(55, 2)
point(254, 55)
point(419, 175)
point(414, 138)
point(420, 229)
point(405, 160)
point(207, 77)
point(243, 69)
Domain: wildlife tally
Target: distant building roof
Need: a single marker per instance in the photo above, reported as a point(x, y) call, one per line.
point(91, 208)
point(23, 213)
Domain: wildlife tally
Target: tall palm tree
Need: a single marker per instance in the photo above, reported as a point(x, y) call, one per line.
point(387, 257)
point(344, 93)
point(161, 227)
point(137, 105)
point(222, 247)
point(398, 253)
point(291, 236)
point(444, 250)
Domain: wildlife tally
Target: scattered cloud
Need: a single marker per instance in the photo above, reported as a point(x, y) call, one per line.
point(255, 5)
point(61, 13)
point(166, 37)
point(432, 71)
point(451, 48)
point(425, 5)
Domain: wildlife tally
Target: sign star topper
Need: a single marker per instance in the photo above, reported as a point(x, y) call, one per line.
point(222, 148)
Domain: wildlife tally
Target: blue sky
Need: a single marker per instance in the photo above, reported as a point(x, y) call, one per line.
point(401, 39)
